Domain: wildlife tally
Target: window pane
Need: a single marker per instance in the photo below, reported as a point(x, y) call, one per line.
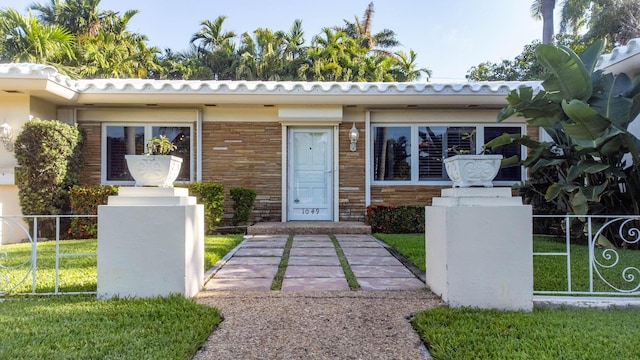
point(392, 153)
point(430, 152)
point(180, 136)
point(121, 141)
point(460, 140)
point(511, 173)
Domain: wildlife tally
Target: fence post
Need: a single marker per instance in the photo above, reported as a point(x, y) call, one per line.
point(479, 250)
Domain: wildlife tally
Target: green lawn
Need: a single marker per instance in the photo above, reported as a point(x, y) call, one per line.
point(78, 274)
point(411, 246)
point(81, 327)
point(550, 272)
point(541, 334)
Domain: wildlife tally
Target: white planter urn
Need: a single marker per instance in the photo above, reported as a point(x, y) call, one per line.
point(154, 170)
point(472, 170)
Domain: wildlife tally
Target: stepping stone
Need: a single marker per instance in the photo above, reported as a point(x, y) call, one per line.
point(312, 252)
point(390, 284)
point(247, 271)
point(373, 260)
point(374, 271)
point(359, 244)
point(379, 251)
point(225, 284)
point(312, 244)
point(312, 271)
point(253, 260)
point(315, 284)
point(264, 244)
point(266, 237)
point(259, 252)
point(312, 238)
point(355, 237)
point(314, 260)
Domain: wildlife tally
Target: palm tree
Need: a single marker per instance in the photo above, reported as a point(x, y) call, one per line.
point(294, 53)
point(262, 55)
point(211, 37)
point(116, 52)
point(574, 15)
point(543, 9)
point(406, 67)
point(80, 17)
point(362, 32)
point(28, 40)
point(215, 46)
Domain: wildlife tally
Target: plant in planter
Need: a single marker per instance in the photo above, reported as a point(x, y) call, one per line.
point(466, 169)
point(593, 164)
point(157, 167)
point(160, 146)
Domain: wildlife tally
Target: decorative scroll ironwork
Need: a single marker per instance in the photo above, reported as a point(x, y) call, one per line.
point(627, 233)
point(9, 267)
point(613, 247)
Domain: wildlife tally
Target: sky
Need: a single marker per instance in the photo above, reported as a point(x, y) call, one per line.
point(449, 36)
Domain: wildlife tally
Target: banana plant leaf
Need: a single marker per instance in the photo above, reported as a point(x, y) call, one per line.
point(570, 79)
point(579, 203)
point(589, 129)
point(585, 167)
point(609, 101)
point(591, 55)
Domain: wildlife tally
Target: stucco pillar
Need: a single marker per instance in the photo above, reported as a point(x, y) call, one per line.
point(150, 243)
point(479, 250)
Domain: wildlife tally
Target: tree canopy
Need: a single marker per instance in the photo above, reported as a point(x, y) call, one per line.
point(84, 41)
point(583, 22)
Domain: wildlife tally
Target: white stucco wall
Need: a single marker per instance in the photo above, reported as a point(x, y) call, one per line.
point(15, 112)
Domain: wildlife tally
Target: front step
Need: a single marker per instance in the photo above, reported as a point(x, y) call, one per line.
point(309, 227)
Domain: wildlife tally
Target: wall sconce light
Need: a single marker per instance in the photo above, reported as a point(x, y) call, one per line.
point(353, 136)
point(6, 136)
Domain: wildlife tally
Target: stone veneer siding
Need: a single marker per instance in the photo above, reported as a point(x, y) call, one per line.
point(250, 155)
point(351, 185)
point(245, 155)
point(91, 152)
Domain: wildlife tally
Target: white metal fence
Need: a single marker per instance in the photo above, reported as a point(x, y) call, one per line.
point(600, 255)
point(577, 256)
point(27, 268)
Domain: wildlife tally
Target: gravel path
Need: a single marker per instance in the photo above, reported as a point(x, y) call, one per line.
point(316, 325)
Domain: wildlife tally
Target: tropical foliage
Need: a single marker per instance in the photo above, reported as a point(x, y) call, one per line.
point(84, 41)
point(593, 164)
point(583, 22)
point(48, 157)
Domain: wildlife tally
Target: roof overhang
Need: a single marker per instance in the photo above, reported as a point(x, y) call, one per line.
point(623, 59)
point(45, 82)
point(37, 80)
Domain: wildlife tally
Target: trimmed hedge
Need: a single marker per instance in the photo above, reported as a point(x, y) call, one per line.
point(85, 201)
point(211, 195)
point(391, 219)
point(243, 201)
point(48, 154)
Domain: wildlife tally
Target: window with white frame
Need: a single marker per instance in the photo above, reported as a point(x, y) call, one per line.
point(405, 154)
point(119, 140)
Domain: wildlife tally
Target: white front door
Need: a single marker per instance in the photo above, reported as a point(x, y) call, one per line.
point(310, 174)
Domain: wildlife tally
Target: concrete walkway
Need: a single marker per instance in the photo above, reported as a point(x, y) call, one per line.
point(316, 315)
point(313, 265)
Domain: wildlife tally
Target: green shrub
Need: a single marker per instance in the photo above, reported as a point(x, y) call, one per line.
point(243, 201)
point(211, 195)
point(49, 157)
point(395, 219)
point(85, 201)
